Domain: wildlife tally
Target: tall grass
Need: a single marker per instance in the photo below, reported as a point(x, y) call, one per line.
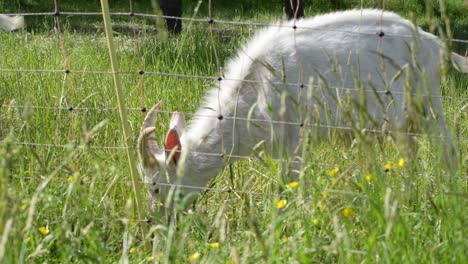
point(72, 204)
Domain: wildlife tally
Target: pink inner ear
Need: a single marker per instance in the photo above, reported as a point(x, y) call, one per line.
point(172, 141)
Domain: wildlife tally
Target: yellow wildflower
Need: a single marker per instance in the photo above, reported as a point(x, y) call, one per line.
point(293, 184)
point(348, 212)
point(321, 206)
point(281, 203)
point(24, 206)
point(333, 171)
point(401, 163)
point(194, 256)
point(44, 230)
point(388, 166)
point(133, 250)
point(324, 195)
point(214, 245)
point(158, 257)
point(369, 177)
point(316, 222)
point(70, 178)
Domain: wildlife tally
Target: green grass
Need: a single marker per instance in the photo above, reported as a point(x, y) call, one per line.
point(413, 214)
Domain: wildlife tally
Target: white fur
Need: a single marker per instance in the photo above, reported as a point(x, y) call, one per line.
point(9, 23)
point(335, 49)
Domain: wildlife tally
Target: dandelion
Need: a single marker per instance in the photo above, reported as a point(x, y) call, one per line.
point(401, 163)
point(70, 179)
point(214, 245)
point(133, 250)
point(281, 203)
point(293, 184)
point(388, 166)
point(24, 206)
point(348, 212)
point(369, 177)
point(333, 171)
point(194, 257)
point(44, 230)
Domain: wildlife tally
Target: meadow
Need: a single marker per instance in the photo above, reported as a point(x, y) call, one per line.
point(65, 191)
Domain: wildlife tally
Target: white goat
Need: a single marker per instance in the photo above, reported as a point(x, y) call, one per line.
point(9, 23)
point(374, 57)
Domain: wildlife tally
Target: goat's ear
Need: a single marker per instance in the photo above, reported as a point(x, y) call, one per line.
point(178, 122)
point(173, 146)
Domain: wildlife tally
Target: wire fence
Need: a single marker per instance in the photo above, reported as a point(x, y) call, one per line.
point(219, 78)
point(212, 154)
point(322, 165)
point(247, 119)
point(199, 188)
point(210, 21)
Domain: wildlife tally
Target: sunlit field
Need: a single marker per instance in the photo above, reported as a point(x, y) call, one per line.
point(65, 188)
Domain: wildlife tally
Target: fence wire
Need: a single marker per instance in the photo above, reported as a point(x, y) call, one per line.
point(211, 20)
point(199, 188)
point(288, 193)
point(247, 119)
point(211, 154)
point(220, 79)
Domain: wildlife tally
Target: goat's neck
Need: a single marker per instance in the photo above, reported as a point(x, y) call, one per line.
point(207, 148)
point(214, 137)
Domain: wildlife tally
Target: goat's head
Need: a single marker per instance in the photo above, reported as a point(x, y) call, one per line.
point(160, 165)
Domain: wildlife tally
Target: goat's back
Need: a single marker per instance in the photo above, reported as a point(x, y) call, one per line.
point(349, 68)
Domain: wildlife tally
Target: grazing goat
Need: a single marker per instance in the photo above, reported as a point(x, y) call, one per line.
point(9, 23)
point(359, 68)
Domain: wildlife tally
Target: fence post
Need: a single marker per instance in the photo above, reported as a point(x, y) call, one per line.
point(294, 8)
point(123, 117)
point(172, 8)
